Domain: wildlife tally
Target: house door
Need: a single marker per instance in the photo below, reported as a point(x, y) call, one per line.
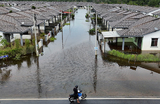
point(7, 37)
point(139, 42)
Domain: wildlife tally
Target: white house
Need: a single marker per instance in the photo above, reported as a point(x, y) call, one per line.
point(151, 42)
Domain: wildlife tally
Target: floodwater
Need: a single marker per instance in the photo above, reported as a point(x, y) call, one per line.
point(70, 60)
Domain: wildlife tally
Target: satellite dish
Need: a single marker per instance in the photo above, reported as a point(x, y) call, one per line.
point(22, 22)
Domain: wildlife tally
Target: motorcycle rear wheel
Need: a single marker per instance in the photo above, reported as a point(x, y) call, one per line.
point(84, 96)
point(71, 99)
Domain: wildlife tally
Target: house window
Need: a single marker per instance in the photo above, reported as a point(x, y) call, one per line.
point(154, 42)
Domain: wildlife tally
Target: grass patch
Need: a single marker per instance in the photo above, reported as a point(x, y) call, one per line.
point(135, 57)
point(67, 23)
point(52, 39)
point(87, 20)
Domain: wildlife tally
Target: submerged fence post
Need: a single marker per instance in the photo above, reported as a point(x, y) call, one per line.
point(123, 44)
point(45, 38)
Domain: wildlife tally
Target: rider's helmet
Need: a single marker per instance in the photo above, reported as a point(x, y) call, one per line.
point(76, 86)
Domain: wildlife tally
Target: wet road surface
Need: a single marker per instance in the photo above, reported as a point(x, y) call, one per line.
point(70, 61)
point(102, 101)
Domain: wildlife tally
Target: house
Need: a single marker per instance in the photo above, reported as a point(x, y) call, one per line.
point(126, 26)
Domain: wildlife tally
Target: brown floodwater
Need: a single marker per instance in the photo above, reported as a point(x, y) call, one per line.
point(70, 60)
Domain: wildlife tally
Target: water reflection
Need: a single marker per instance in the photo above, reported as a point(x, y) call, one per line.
point(38, 79)
point(4, 75)
point(62, 40)
point(152, 66)
point(95, 75)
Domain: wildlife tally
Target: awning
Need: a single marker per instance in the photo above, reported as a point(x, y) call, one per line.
point(67, 12)
point(110, 34)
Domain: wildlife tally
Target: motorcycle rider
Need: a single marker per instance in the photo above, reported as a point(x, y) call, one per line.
point(75, 89)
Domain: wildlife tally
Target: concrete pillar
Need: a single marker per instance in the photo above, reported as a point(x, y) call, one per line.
point(48, 22)
point(31, 31)
point(55, 18)
point(39, 29)
point(52, 20)
point(108, 27)
point(44, 26)
point(104, 44)
point(21, 39)
point(45, 38)
point(50, 33)
point(41, 41)
point(123, 43)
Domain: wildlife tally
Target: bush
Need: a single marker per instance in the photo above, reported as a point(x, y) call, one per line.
point(42, 34)
point(92, 31)
point(72, 15)
point(27, 43)
point(17, 43)
point(17, 57)
point(87, 15)
point(33, 7)
point(52, 39)
point(10, 11)
point(4, 42)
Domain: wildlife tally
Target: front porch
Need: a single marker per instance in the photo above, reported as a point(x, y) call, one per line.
point(111, 40)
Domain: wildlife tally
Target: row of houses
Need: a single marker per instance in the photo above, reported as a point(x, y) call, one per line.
point(124, 22)
point(139, 23)
point(19, 24)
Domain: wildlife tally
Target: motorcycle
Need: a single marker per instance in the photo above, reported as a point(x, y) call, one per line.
point(81, 96)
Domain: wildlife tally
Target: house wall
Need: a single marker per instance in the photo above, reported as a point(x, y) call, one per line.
point(42, 28)
point(1, 34)
point(17, 36)
point(146, 42)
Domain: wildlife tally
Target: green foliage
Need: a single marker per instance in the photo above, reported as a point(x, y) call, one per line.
point(1, 5)
point(87, 20)
point(27, 43)
point(67, 23)
point(17, 57)
point(72, 15)
point(87, 15)
point(17, 43)
point(64, 16)
point(52, 39)
point(17, 51)
point(99, 20)
point(4, 42)
point(92, 31)
point(70, 10)
point(10, 11)
point(33, 7)
point(42, 34)
point(134, 57)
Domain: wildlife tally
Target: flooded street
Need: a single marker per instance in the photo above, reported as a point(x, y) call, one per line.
point(70, 60)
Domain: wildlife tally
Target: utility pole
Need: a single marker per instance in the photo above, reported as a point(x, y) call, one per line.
point(61, 19)
point(34, 19)
point(96, 48)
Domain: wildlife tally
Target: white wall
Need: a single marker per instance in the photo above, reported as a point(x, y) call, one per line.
point(17, 36)
point(42, 27)
point(146, 42)
point(1, 34)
